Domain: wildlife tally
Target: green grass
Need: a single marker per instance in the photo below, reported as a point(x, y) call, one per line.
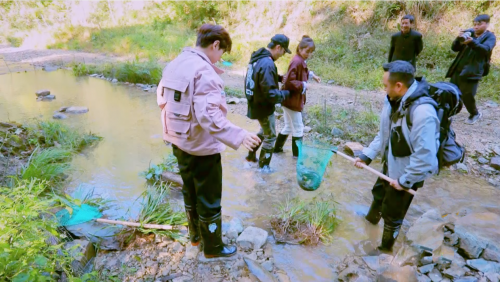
point(359, 123)
point(307, 223)
point(234, 92)
point(156, 209)
point(135, 72)
point(143, 41)
point(24, 252)
point(153, 173)
point(49, 165)
point(50, 133)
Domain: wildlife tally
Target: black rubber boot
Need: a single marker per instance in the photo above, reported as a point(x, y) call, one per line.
point(193, 224)
point(389, 237)
point(295, 148)
point(265, 157)
point(252, 155)
point(374, 214)
point(280, 141)
point(211, 231)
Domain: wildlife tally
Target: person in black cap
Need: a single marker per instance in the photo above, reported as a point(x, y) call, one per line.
point(262, 91)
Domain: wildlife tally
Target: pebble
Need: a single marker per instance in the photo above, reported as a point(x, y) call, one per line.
point(482, 160)
point(462, 167)
point(307, 129)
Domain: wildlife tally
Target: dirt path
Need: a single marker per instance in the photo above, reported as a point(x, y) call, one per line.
point(480, 139)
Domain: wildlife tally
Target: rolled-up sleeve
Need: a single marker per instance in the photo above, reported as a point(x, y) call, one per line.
point(207, 100)
point(424, 137)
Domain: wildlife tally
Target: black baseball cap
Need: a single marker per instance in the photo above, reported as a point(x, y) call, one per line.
point(281, 40)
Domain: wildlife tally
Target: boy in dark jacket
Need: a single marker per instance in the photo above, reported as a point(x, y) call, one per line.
point(406, 44)
point(262, 91)
point(474, 47)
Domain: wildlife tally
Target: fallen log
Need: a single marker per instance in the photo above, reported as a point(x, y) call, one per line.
point(173, 178)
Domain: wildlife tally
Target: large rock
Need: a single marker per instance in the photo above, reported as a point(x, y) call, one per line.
point(400, 274)
point(408, 255)
point(252, 238)
point(467, 279)
point(454, 272)
point(307, 129)
point(484, 265)
point(353, 148)
point(426, 268)
point(41, 93)
point(59, 116)
point(479, 232)
point(495, 163)
point(76, 110)
point(337, 132)
point(232, 100)
point(258, 271)
point(435, 275)
point(427, 232)
point(81, 251)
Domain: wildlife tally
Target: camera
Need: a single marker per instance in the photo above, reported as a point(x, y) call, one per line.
point(466, 35)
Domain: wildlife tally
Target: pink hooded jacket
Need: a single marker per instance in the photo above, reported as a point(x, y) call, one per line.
point(193, 102)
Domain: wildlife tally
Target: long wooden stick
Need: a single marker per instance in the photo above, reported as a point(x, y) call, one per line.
point(135, 224)
point(376, 172)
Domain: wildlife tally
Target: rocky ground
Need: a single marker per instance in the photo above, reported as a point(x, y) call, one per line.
point(158, 258)
point(458, 247)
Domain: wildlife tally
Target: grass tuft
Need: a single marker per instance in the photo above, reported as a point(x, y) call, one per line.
point(310, 223)
point(153, 173)
point(156, 209)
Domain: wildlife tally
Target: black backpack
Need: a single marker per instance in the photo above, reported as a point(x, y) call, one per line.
point(449, 103)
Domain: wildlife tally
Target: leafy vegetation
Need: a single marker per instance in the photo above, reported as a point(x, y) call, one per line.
point(31, 248)
point(234, 92)
point(153, 173)
point(156, 209)
point(26, 226)
point(310, 223)
point(135, 72)
point(359, 123)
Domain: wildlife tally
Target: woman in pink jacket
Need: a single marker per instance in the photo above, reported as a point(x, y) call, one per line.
point(191, 96)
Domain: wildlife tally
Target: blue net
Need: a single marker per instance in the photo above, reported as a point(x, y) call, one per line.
point(311, 165)
point(79, 214)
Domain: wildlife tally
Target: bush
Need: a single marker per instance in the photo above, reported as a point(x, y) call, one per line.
point(27, 225)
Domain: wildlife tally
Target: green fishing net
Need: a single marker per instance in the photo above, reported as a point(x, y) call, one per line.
point(311, 165)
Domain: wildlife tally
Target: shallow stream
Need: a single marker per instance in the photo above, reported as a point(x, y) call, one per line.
point(128, 120)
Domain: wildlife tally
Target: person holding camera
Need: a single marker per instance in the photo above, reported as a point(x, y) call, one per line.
point(407, 43)
point(474, 47)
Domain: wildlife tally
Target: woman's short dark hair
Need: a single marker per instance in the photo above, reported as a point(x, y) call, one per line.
point(409, 17)
point(209, 33)
point(482, 18)
point(306, 42)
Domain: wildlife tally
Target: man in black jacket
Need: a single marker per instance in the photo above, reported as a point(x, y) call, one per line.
point(474, 47)
point(406, 44)
point(262, 91)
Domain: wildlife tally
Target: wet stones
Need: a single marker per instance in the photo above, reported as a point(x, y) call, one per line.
point(76, 110)
point(495, 163)
point(42, 93)
point(427, 232)
point(252, 238)
point(82, 251)
point(337, 133)
point(59, 116)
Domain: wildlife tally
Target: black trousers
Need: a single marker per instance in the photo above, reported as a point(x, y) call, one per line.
point(202, 177)
point(393, 203)
point(469, 89)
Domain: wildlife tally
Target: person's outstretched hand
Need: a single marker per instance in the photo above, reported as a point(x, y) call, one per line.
point(359, 163)
point(251, 141)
